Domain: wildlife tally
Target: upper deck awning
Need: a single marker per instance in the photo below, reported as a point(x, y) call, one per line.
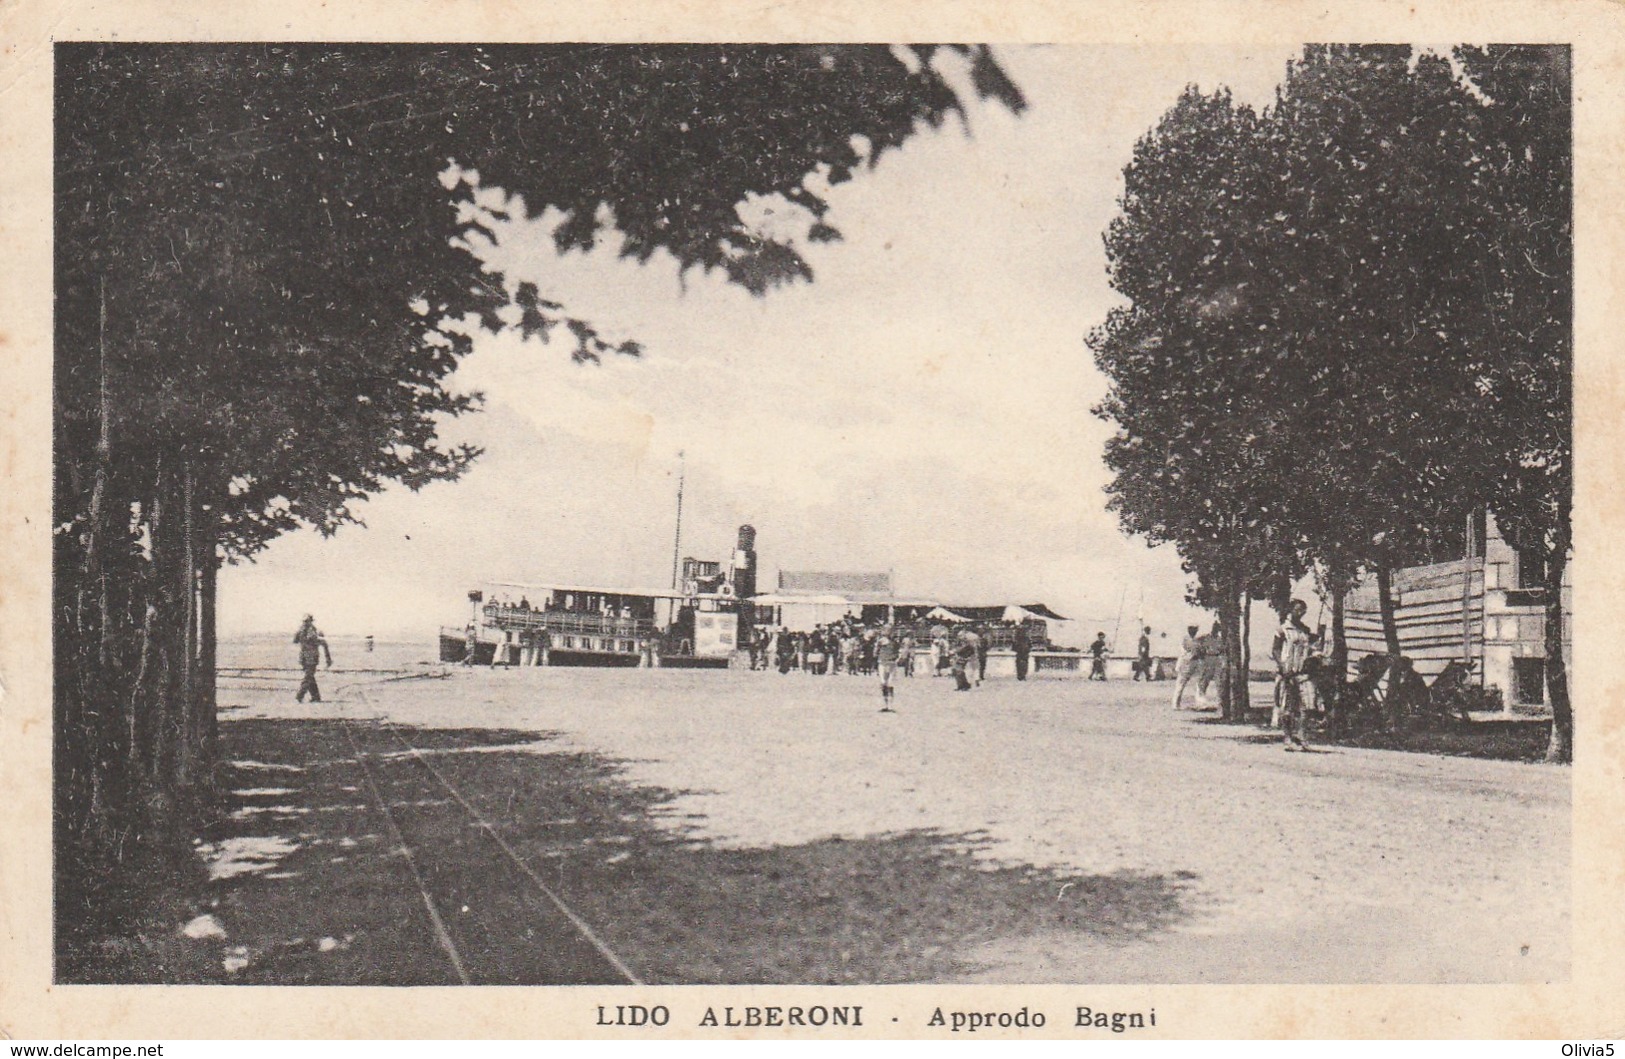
point(599, 590)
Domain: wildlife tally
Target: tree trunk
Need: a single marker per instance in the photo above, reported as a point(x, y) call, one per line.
point(1233, 688)
point(183, 709)
point(92, 730)
point(177, 595)
point(136, 709)
point(1246, 649)
point(1226, 711)
point(146, 723)
point(1385, 600)
point(1238, 659)
point(1561, 747)
point(207, 706)
point(1340, 637)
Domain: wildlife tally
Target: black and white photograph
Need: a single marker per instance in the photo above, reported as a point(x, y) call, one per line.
point(975, 514)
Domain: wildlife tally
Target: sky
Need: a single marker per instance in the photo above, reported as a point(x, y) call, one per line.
point(922, 407)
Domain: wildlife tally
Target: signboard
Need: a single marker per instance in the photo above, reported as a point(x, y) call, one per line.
point(714, 634)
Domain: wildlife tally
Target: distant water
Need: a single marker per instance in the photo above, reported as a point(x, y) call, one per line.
point(275, 651)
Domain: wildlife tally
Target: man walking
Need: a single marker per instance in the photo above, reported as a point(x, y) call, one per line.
point(312, 645)
point(1215, 666)
point(1097, 651)
point(1023, 645)
point(1190, 663)
point(1142, 657)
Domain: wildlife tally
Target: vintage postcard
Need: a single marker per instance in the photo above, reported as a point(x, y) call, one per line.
point(1035, 521)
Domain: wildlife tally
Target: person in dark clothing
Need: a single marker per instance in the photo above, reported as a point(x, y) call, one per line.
point(983, 635)
point(1023, 645)
point(787, 650)
point(1097, 652)
point(312, 645)
point(1142, 659)
point(963, 656)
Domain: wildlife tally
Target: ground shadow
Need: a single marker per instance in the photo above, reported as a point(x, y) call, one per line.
point(309, 887)
point(1517, 740)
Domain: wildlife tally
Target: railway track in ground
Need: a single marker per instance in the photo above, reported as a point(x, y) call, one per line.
point(492, 916)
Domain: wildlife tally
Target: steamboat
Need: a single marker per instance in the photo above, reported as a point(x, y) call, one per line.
point(515, 623)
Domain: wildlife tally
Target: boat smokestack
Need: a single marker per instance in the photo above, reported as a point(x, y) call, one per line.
point(744, 578)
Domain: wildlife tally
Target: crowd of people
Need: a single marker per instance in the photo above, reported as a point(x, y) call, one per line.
point(856, 649)
point(561, 601)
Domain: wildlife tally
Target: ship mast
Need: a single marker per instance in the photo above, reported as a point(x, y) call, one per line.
point(677, 540)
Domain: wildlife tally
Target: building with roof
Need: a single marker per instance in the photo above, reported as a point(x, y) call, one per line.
point(836, 583)
point(1487, 608)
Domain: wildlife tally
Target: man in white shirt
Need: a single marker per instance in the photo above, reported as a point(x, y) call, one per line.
point(1190, 663)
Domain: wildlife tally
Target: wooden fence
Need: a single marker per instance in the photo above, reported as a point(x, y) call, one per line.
point(1429, 606)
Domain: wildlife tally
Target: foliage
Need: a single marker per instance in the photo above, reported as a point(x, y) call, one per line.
point(262, 217)
point(263, 281)
point(1346, 319)
point(1190, 391)
point(1386, 214)
point(1529, 303)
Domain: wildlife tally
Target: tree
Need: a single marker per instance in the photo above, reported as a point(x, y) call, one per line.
point(1457, 186)
point(1528, 292)
point(1347, 326)
point(1385, 214)
point(263, 281)
point(1196, 457)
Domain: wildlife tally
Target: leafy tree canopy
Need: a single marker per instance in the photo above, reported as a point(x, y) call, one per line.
point(243, 232)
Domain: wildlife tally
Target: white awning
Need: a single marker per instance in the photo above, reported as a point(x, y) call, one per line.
point(641, 593)
point(774, 599)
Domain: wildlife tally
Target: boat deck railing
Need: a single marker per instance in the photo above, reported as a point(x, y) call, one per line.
point(567, 622)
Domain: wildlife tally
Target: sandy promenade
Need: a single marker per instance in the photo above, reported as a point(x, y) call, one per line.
point(1341, 866)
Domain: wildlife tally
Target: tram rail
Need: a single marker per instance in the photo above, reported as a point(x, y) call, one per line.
point(574, 952)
